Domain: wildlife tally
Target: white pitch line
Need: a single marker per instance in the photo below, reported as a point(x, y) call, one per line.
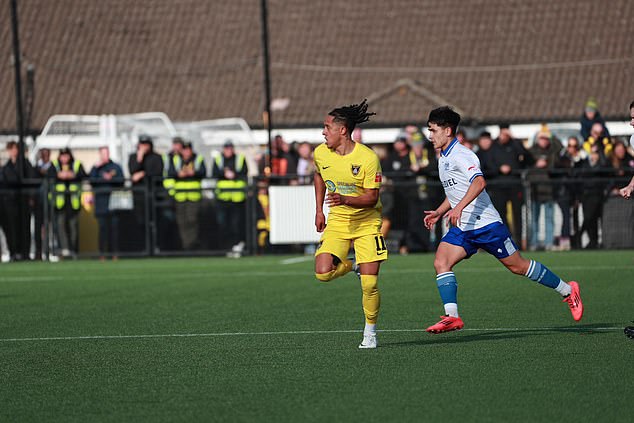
point(297, 260)
point(296, 332)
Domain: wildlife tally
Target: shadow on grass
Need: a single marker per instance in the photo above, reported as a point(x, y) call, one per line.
point(502, 334)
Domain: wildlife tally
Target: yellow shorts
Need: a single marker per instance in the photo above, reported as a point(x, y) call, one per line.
point(368, 248)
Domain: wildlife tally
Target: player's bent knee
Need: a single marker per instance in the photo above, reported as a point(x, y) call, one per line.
point(323, 266)
point(441, 265)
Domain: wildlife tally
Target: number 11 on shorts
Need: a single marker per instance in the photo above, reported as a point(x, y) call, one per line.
point(380, 244)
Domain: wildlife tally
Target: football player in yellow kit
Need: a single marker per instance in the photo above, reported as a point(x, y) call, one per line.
point(348, 178)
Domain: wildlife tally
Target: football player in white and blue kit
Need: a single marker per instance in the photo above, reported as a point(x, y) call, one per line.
point(475, 224)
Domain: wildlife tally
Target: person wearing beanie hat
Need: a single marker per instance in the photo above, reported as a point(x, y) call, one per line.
point(591, 116)
point(592, 105)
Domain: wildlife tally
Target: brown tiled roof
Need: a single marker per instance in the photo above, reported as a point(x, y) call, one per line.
point(494, 60)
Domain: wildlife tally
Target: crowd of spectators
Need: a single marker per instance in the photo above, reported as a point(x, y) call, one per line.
point(575, 174)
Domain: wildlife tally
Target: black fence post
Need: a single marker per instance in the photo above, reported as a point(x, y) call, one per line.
point(527, 212)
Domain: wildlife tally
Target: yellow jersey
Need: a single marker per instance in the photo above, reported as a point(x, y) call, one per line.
point(350, 175)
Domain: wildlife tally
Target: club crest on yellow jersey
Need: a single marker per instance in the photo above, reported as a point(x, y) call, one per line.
point(355, 169)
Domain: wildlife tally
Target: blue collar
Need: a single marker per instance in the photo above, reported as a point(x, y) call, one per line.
point(450, 147)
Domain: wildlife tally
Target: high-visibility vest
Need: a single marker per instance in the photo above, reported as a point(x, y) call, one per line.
point(74, 189)
point(231, 190)
point(424, 160)
point(188, 189)
point(168, 183)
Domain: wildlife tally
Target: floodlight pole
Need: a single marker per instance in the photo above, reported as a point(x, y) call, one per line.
point(266, 116)
point(19, 111)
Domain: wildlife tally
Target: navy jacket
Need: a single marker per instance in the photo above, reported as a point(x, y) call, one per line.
point(103, 187)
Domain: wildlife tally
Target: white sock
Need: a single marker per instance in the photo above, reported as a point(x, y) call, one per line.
point(451, 309)
point(563, 288)
point(370, 329)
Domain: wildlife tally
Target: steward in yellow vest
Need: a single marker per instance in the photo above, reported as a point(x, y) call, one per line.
point(230, 170)
point(168, 160)
point(68, 174)
point(188, 170)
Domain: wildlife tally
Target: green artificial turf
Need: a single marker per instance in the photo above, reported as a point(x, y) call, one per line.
point(259, 339)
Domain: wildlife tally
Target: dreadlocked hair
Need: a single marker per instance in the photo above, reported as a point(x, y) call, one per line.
point(353, 115)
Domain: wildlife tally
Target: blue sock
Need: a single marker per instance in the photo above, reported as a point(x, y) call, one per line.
point(541, 274)
point(448, 287)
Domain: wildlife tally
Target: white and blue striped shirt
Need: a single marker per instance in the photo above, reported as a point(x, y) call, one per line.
point(458, 167)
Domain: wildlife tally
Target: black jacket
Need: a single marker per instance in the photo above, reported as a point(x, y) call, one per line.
point(487, 163)
point(152, 165)
point(513, 154)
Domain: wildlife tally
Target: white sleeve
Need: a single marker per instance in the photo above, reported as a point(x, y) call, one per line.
point(469, 166)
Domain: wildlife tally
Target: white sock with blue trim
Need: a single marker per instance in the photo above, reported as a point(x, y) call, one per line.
point(451, 309)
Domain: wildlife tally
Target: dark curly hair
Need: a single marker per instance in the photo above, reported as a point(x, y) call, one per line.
point(444, 117)
point(352, 115)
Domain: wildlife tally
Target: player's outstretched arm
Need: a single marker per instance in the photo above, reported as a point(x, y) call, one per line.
point(432, 216)
point(320, 193)
point(626, 192)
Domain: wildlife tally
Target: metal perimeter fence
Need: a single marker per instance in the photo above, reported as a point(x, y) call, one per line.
point(556, 211)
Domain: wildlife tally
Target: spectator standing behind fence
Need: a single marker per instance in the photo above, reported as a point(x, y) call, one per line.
point(510, 157)
point(622, 164)
point(589, 117)
point(569, 189)
point(104, 176)
point(305, 164)
point(594, 186)
point(16, 203)
point(231, 170)
point(598, 137)
point(282, 160)
point(397, 168)
point(168, 160)
point(41, 170)
point(169, 236)
point(574, 159)
point(188, 170)
point(626, 191)
point(545, 157)
point(488, 165)
point(485, 154)
point(423, 165)
point(461, 136)
point(144, 166)
point(622, 160)
point(66, 188)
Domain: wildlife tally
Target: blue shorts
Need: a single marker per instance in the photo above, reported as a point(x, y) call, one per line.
point(494, 238)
